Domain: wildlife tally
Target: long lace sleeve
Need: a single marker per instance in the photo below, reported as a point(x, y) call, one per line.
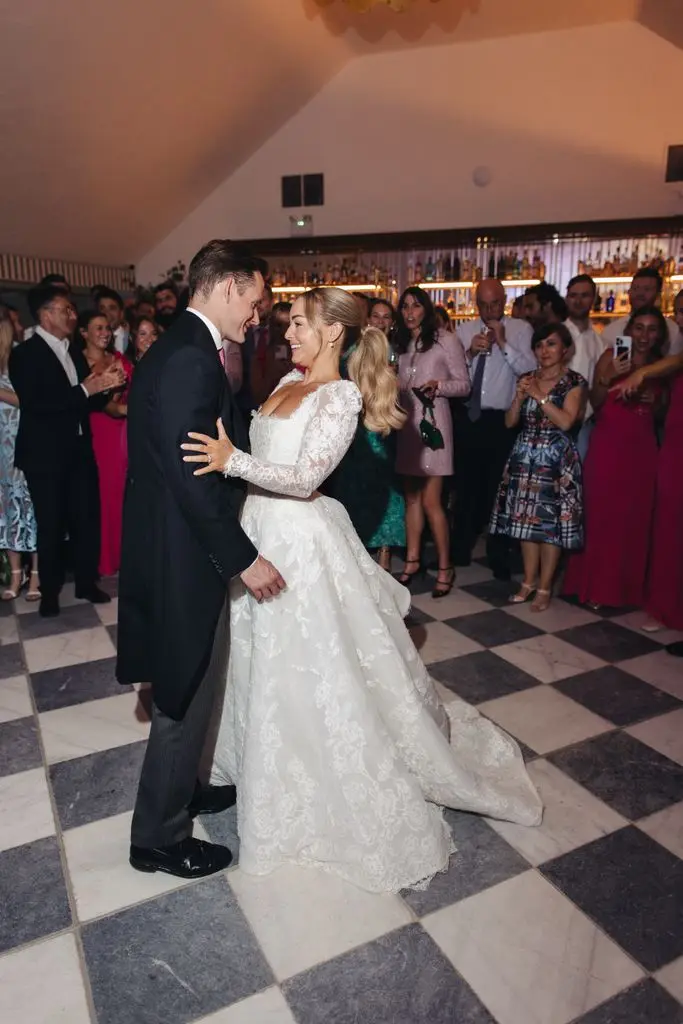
point(327, 439)
point(457, 384)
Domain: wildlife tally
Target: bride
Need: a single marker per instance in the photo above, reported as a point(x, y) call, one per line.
point(332, 730)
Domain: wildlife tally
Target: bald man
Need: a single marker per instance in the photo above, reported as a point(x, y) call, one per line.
point(498, 351)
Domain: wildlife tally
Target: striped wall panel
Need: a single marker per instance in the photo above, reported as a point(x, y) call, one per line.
point(27, 270)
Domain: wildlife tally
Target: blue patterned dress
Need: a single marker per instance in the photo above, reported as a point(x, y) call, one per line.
point(17, 520)
point(540, 497)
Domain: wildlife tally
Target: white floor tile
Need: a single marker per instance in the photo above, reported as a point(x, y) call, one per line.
point(108, 613)
point(66, 599)
point(469, 575)
point(15, 701)
point(9, 630)
point(269, 1007)
point(303, 916)
point(438, 642)
point(529, 953)
point(95, 725)
point(666, 828)
point(43, 985)
point(635, 621)
point(103, 881)
point(659, 669)
point(671, 977)
point(544, 719)
point(664, 734)
point(571, 817)
point(458, 602)
point(25, 809)
point(548, 658)
point(559, 615)
point(68, 649)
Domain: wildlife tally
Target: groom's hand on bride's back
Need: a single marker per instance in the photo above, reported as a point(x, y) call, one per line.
point(263, 579)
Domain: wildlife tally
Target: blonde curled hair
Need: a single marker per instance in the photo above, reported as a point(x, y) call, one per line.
point(6, 342)
point(368, 364)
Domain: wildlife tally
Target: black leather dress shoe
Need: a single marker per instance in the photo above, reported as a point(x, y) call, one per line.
point(190, 858)
point(212, 800)
point(49, 607)
point(94, 595)
point(675, 649)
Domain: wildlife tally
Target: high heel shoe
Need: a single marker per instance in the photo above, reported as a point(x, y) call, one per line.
point(443, 589)
point(541, 602)
point(12, 593)
point(523, 594)
point(406, 578)
point(33, 592)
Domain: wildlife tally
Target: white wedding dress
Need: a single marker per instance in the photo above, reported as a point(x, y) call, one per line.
point(331, 728)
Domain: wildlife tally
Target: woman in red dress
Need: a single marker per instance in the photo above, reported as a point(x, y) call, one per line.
point(620, 475)
point(108, 438)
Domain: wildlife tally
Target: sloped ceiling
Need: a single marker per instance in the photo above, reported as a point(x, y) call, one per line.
point(117, 120)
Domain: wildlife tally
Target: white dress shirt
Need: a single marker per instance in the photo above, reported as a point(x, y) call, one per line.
point(502, 367)
point(60, 347)
point(588, 347)
point(215, 333)
point(121, 339)
point(617, 327)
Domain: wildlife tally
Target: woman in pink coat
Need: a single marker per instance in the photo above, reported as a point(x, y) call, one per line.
point(432, 362)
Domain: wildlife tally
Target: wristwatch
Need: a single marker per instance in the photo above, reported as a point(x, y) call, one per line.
point(544, 401)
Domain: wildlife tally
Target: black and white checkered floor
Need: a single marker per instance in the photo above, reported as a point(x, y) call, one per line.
point(580, 920)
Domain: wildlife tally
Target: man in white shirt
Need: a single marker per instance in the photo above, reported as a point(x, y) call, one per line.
point(588, 345)
point(110, 304)
point(645, 290)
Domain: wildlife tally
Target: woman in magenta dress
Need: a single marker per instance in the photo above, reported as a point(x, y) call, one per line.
point(108, 439)
point(620, 474)
point(432, 361)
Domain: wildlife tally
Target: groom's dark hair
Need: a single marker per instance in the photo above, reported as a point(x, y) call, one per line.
point(222, 258)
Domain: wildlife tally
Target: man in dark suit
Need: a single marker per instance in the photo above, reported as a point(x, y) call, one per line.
point(182, 545)
point(54, 447)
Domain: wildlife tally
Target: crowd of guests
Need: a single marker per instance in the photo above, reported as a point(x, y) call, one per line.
point(534, 429)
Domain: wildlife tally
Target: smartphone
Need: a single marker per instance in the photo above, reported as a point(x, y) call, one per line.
point(623, 346)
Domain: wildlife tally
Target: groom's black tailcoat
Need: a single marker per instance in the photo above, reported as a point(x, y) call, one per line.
point(182, 542)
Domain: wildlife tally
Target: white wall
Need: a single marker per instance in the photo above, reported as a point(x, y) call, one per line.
point(573, 125)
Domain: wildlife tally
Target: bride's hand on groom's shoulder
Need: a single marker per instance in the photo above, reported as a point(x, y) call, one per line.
point(262, 579)
point(212, 452)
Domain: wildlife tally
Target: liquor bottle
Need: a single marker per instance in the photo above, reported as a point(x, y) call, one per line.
point(669, 266)
point(450, 304)
point(581, 267)
point(491, 269)
point(344, 273)
point(609, 305)
point(608, 269)
point(618, 262)
point(430, 269)
point(536, 265)
point(447, 269)
point(512, 264)
point(336, 274)
point(526, 266)
point(597, 305)
point(541, 270)
point(457, 271)
point(418, 272)
point(502, 266)
point(328, 274)
point(439, 269)
point(633, 262)
point(411, 273)
point(467, 269)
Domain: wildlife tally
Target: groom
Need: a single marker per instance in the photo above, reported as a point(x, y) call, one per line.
point(182, 544)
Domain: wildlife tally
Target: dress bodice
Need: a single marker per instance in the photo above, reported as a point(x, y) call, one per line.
point(536, 425)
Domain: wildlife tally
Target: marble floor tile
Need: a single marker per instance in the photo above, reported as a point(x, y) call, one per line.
point(32, 893)
point(71, 619)
point(644, 1003)
point(113, 632)
point(436, 641)
point(15, 700)
point(482, 859)
point(417, 617)
point(635, 621)
point(664, 734)
point(67, 598)
point(187, 954)
point(471, 575)
point(62, 687)
point(666, 828)
point(481, 677)
point(571, 817)
point(491, 591)
point(558, 616)
point(43, 985)
point(529, 953)
point(617, 696)
point(632, 888)
point(64, 649)
point(624, 773)
point(9, 630)
point(108, 614)
point(98, 785)
point(401, 978)
point(19, 747)
point(548, 658)
point(25, 808)
point(103, 881)
point(671, 977)
point(458, 603)
point(606, 640)
point(303, 916)
point(660, 669)
point(11, 661)
point(222, 829)
point(96, 725)
point(269, 1007)
point(544, 719)
point(494, 628)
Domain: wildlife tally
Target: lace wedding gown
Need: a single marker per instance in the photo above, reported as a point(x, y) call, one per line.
point(331, 728)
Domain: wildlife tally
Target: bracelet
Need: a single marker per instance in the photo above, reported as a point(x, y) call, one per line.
point(544, 401)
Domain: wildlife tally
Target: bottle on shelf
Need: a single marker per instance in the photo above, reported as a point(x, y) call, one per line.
point(447, 269)
point(581, 267)
point(439, 269)
point(430, 269)
point(609, 304)
point(526, 266)
point(541, 270)
point(467, 269)
point(411, 273)
point(491, 268)
point(344, 273)
point(633, 263)
point(597, 305)
point(608, 270)
point(536, 265)
point(456, 268)
point(418, 272)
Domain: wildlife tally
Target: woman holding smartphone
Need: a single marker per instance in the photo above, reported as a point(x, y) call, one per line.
point(620, 473)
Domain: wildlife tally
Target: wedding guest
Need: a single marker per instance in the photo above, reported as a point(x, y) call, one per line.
point(445, 322)
point(588, 346)
point(109, 442)
point(145, 332)
point(382, 316)
point(517, 311)
point(645, 290)
point(543, 305)
point(166, 303)
point(111, 305)
point(620, 475)
point(144, 307)
point(17, 519)
point(431, 363)
point(539, 500)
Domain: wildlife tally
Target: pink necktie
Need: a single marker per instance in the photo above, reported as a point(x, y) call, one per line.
point(221, 356)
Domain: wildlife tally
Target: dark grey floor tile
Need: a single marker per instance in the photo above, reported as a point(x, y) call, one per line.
point(481, 676)
point(97, 786)
point(422, 584)
point(494, 628)
point(61, 687)
point(609, 641)
point(617, 696)
point(11, 660)
point(19, 749)
point(645, 1003)
point(402, 978)
point(628, 775)
point(416, 617)
point(604, 611)
point(494, 592)
point(482, 859)
point(175, 959)
point(6, 609)
point(71, 618)
point(632, 887)
point(222, 828)
point(33, 899)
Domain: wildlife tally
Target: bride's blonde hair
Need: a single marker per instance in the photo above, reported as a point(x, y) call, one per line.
point(368, 364)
